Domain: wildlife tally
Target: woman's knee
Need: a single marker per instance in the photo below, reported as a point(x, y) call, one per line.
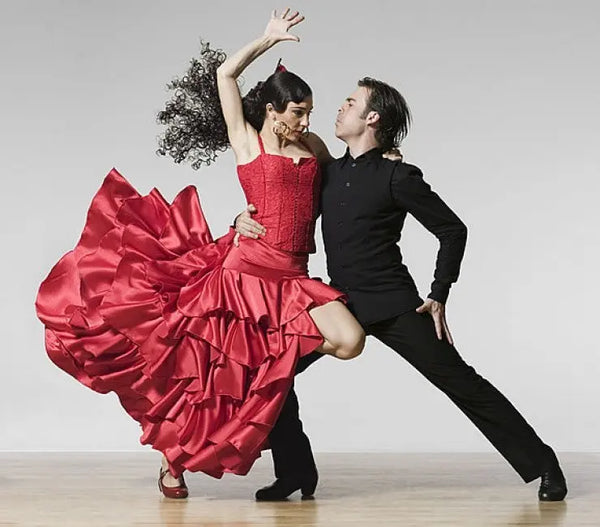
point(352, 344)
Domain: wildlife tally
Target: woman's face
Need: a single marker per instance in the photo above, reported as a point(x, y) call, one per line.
point(296, 116)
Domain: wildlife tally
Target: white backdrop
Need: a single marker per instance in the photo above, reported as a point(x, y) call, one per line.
point(506, 109)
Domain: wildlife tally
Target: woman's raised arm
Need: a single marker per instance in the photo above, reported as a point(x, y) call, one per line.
point(238, 129)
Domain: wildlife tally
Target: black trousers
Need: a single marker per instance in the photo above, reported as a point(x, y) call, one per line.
point(412, 336)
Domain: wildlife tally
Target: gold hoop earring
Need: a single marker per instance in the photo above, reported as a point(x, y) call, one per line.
point(281, 129)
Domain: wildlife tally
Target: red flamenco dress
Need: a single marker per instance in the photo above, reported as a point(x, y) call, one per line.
point(198, 338)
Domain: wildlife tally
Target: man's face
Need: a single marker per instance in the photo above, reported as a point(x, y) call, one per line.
point(351, 120)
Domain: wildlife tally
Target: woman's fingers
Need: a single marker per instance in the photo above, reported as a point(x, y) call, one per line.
point(296, 20)
point(287, 10)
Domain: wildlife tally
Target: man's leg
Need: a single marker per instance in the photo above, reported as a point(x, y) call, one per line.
point(293, 459)
point(413, 336)
point(292, 453)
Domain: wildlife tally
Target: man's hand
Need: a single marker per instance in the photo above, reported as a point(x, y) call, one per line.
point(437, 310)
point(246, 226)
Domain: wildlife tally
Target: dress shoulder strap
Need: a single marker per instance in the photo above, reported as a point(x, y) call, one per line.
point(260, 144)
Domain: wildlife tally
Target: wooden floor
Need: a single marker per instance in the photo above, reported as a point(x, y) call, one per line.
point(119, 489)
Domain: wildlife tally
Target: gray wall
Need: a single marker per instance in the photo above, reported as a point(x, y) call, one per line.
point(505, 102)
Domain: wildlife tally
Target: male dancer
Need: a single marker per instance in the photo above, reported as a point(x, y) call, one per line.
point(365, 199)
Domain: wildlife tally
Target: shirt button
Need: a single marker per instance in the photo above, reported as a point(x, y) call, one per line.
point(353, 165)
point(340, 223)
point(342, 203)
point(347, 183)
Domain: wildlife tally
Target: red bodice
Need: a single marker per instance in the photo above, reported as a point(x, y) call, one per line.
point(286, 196)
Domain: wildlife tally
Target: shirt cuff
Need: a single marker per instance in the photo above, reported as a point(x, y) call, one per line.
point(439, 292)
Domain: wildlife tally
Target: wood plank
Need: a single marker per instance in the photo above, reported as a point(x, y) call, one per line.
point(117, 489)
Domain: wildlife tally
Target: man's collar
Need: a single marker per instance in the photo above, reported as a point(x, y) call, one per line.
point(375, 152)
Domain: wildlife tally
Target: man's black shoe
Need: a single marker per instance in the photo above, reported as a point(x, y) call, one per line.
point(283, 487)
point(553, 486)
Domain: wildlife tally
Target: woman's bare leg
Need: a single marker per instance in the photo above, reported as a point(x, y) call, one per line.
point(344, 336)
point(344, 339)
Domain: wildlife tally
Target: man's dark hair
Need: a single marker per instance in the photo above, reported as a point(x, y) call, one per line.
point(394, 115)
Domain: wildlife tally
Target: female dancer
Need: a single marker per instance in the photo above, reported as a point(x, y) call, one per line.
point(199, 338)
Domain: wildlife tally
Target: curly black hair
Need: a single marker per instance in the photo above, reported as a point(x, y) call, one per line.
point(196, 131)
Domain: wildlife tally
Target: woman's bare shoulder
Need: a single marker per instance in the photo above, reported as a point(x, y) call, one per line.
point(318, 146)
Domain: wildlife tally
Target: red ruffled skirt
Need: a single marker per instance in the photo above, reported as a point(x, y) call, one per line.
point(198, 338)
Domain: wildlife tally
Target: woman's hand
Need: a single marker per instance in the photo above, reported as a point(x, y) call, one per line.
point(393, 155)
point(240, 132)
point(278, 26)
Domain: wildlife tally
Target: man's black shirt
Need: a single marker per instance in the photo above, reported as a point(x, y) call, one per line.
point(364, 202)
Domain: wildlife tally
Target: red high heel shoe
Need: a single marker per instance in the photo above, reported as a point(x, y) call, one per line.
point(176, 493)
